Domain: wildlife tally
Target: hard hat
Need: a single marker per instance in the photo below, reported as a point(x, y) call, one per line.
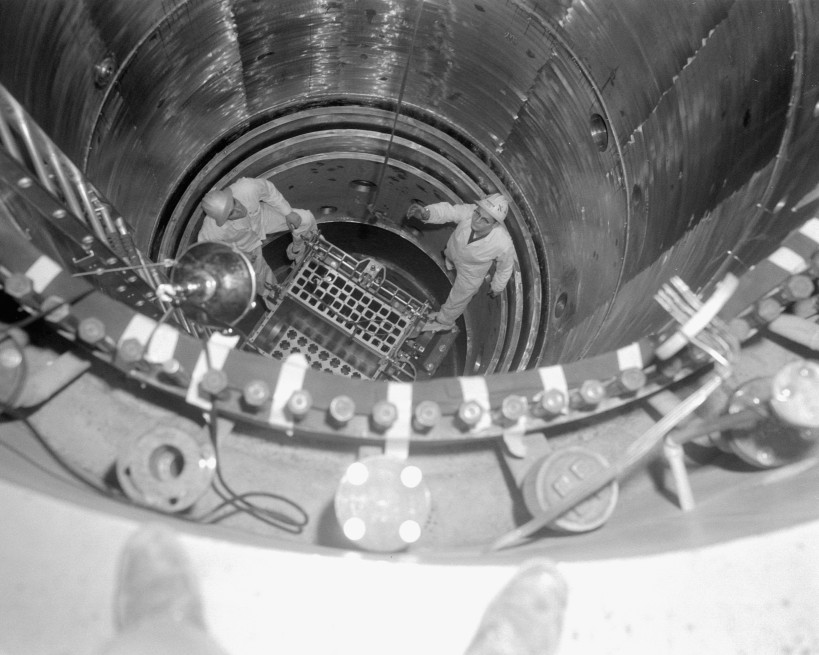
point(218, 204)
point(495, 205)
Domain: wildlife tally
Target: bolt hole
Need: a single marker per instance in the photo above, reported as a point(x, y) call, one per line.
point(166, 463)
point(599, 132)
point(637, 195)
point(560, 305)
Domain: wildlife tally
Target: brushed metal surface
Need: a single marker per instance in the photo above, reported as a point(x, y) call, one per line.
point(707, 105)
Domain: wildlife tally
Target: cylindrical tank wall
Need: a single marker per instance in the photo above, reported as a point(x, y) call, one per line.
point(642, 139)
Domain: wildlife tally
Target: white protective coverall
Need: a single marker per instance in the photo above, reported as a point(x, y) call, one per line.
point(266, 212)
point(471, 261)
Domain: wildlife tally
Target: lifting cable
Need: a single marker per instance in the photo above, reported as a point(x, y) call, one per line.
point(373, 215)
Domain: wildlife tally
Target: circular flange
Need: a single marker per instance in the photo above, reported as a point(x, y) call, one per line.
point(382, 503)
point(166, 468)
point(795, 394)
point(554, 476)
point(771, 442)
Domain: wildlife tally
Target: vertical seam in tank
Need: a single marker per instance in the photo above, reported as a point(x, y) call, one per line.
point(796, 92)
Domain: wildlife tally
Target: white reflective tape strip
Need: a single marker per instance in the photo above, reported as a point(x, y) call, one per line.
point(474, 388)
point(553, 377)
point(163, 338)
point(163, 344)
point(291, 379)
point(629, 357)
point(811, 229)
point(788, 260)
point(397, 436)
point(513, 438)
point(219, 347)
point(42, 273)
point(139, 328)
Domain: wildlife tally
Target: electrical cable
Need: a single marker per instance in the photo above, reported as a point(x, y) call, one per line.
point(64, 465)
point(371, 207)
point(240, 502)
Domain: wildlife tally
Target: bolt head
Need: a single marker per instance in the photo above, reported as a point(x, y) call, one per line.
point(342, 409)
point(553, 401)
point(470, 412)
point(256, 393)
point(427, 414)
point(18, 285)
point(513, 407)
point(213, 382)
point(91, 330)
point(300, 403)
point(385, 414)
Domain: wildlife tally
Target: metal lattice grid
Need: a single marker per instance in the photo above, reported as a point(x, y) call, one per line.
point(318, 357)
point(339, 300)
point(346, 307)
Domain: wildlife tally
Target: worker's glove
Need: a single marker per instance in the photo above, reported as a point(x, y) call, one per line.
point(418, 211)
point(295, 249)
point(293, 221)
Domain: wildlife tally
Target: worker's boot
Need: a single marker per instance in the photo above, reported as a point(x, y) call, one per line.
point(434, 325)
point(526, 616)
point(157, 606)
point(155, 581)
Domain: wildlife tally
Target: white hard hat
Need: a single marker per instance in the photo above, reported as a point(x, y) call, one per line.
point(495, 205)
point(218, 204)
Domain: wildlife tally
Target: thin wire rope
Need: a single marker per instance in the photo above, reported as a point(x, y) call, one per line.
point(397, 109)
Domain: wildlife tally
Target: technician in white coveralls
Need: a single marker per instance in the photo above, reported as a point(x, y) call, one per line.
point(479, 240)
point(244, 213)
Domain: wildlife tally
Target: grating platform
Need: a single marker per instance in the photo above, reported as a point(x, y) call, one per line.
point(342, 314)
point(292, 341)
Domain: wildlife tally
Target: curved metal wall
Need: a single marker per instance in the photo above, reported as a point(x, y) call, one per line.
point(705, 103)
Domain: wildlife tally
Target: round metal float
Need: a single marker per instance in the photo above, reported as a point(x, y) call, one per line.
point(555, 475)
point(772, 442)
point(382, 503)
point(166, 468)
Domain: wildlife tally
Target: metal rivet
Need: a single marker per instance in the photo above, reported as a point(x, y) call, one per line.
point(104, 71)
